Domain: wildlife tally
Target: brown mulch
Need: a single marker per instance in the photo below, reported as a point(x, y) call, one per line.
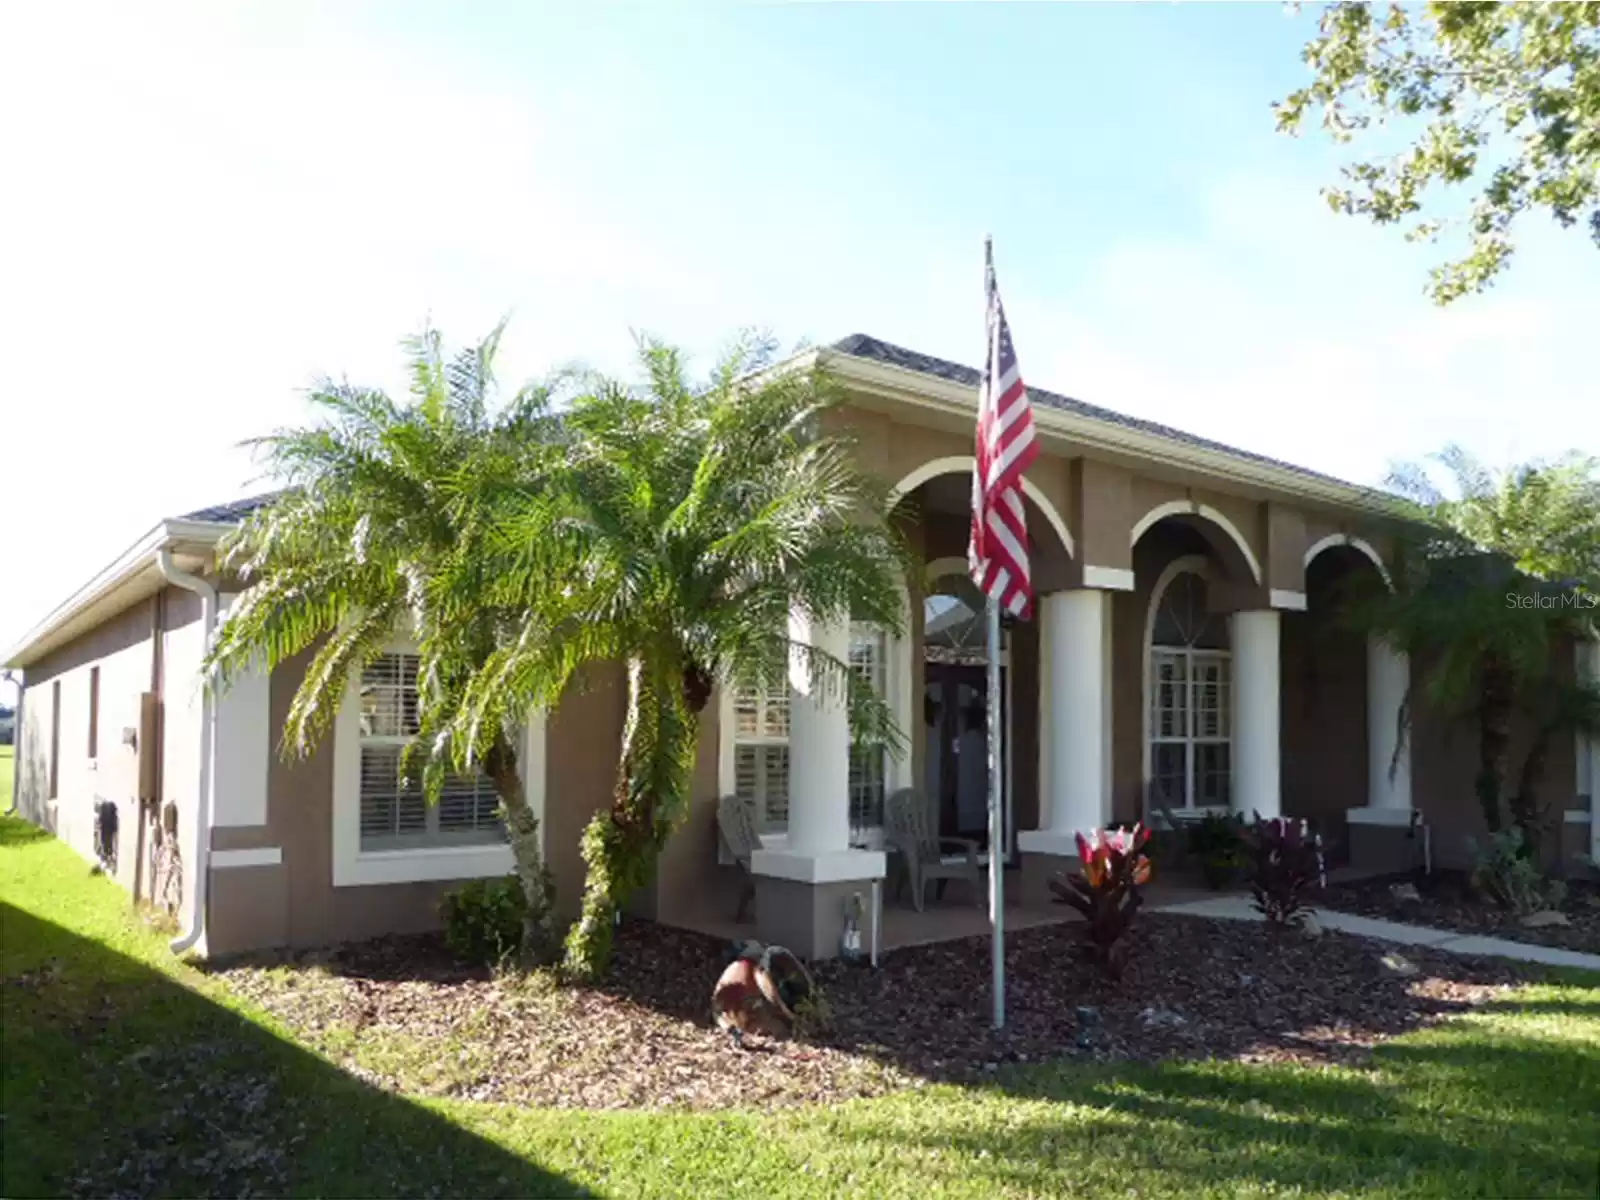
point(402, 1014)
point(1448, 901)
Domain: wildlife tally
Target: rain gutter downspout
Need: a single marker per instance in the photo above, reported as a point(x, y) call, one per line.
point(208, 724)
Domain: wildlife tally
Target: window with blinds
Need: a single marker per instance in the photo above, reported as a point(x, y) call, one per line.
point(393, 815)
point(761, 751)
point(868, 650)
point(761, 743)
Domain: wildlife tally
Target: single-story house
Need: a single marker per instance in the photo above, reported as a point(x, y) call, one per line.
point(1186, 644)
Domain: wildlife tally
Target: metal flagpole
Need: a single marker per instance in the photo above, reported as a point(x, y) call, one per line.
point(997, 907)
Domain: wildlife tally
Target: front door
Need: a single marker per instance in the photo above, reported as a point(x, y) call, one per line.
point(956, 712)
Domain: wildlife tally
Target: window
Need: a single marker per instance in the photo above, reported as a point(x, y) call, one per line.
point(1191, 699)
point(761, 743)
point(395, 816)
point(761, 752)
point(869, 650)
point(94, 712)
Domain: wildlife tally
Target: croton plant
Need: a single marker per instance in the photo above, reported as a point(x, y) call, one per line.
point(1114, 867)
point(1288, 864)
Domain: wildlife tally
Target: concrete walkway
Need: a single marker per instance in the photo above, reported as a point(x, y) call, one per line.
point(1239, 908)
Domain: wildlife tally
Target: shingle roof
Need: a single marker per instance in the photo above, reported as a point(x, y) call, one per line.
point(860, 345)
point(234, 511)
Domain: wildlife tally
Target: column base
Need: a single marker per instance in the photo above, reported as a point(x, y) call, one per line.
point(801, 898)
point(1382, 839)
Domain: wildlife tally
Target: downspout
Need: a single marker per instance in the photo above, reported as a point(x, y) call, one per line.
point(202, 821)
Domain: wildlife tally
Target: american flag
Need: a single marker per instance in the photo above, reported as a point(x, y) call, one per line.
point(998, 553)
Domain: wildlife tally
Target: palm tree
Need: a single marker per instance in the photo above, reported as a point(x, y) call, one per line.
point(677, 531)
point(1493, 579)
point(380, 499)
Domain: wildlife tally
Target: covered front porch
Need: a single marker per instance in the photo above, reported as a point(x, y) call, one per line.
point(1204, 669)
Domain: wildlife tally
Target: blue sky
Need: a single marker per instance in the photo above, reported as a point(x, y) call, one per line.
point(210, 205)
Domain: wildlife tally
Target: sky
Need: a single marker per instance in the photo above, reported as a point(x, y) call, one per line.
point(205, 208)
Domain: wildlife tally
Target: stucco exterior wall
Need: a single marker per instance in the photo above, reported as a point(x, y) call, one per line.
point(123, 651)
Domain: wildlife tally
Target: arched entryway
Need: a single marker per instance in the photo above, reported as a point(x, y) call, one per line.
point(955, 660)
point(1176, 638)
point(946, 656)
point(1343, 690)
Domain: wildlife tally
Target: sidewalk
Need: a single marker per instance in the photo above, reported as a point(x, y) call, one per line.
point(1239, 908)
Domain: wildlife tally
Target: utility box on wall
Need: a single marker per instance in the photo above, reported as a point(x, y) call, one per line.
point(147, 746)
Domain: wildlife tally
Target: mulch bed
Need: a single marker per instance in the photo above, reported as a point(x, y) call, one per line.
point(1448, 901)
point(404, 1015)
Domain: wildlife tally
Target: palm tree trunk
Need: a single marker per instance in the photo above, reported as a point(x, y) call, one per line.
point(1526, 811)
point(539, 941)
point(1494, 742)
point(620, 846)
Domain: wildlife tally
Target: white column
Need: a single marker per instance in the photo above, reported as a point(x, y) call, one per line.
point(819, 744)
point(1073, 712)
point(1255, 713)
point(1388, 679)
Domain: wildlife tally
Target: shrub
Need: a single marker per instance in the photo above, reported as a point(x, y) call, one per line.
point(1107, 891)
point(1221, 843)
point(1506, 873)
point(483, 920)
point(1288, 862)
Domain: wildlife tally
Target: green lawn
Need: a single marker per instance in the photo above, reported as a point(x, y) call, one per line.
point(124, 1071)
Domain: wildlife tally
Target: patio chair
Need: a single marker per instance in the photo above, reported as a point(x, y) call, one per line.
point(736, 822)
point(908, 831)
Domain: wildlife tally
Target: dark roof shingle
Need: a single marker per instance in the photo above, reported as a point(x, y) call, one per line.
point(234, 511)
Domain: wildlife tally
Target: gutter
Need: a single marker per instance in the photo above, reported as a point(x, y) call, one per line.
point(208, 739)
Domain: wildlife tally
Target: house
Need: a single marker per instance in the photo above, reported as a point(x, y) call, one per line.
point(1186, 645)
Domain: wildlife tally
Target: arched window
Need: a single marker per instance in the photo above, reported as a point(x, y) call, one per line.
point(1191, 697)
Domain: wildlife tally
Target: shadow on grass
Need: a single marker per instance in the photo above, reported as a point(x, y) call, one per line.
point(1483, 1114)
point(119, 1080)
point(21, 833)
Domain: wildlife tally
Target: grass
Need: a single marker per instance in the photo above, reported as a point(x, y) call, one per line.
point(123, 1070)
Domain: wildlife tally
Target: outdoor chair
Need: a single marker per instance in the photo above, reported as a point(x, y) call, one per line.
point(736, 822)
point(909, 832)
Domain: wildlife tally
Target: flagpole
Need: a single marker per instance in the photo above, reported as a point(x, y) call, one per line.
point(997, 908)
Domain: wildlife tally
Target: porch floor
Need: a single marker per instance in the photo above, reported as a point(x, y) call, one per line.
point(948, 920)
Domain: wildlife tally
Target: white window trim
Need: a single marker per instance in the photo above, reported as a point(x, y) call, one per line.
point(355, 867)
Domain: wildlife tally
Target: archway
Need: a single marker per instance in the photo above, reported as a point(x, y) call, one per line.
point(1342, 692)
point(946, 655)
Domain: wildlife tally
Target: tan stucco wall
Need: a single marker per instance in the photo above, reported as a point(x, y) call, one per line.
point(583, 738)
point(122, 650)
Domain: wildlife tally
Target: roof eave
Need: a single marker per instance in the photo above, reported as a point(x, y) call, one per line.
point(113, 589)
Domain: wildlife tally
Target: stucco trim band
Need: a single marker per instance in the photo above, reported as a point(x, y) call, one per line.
point(260, 856)
point(1111, 579)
